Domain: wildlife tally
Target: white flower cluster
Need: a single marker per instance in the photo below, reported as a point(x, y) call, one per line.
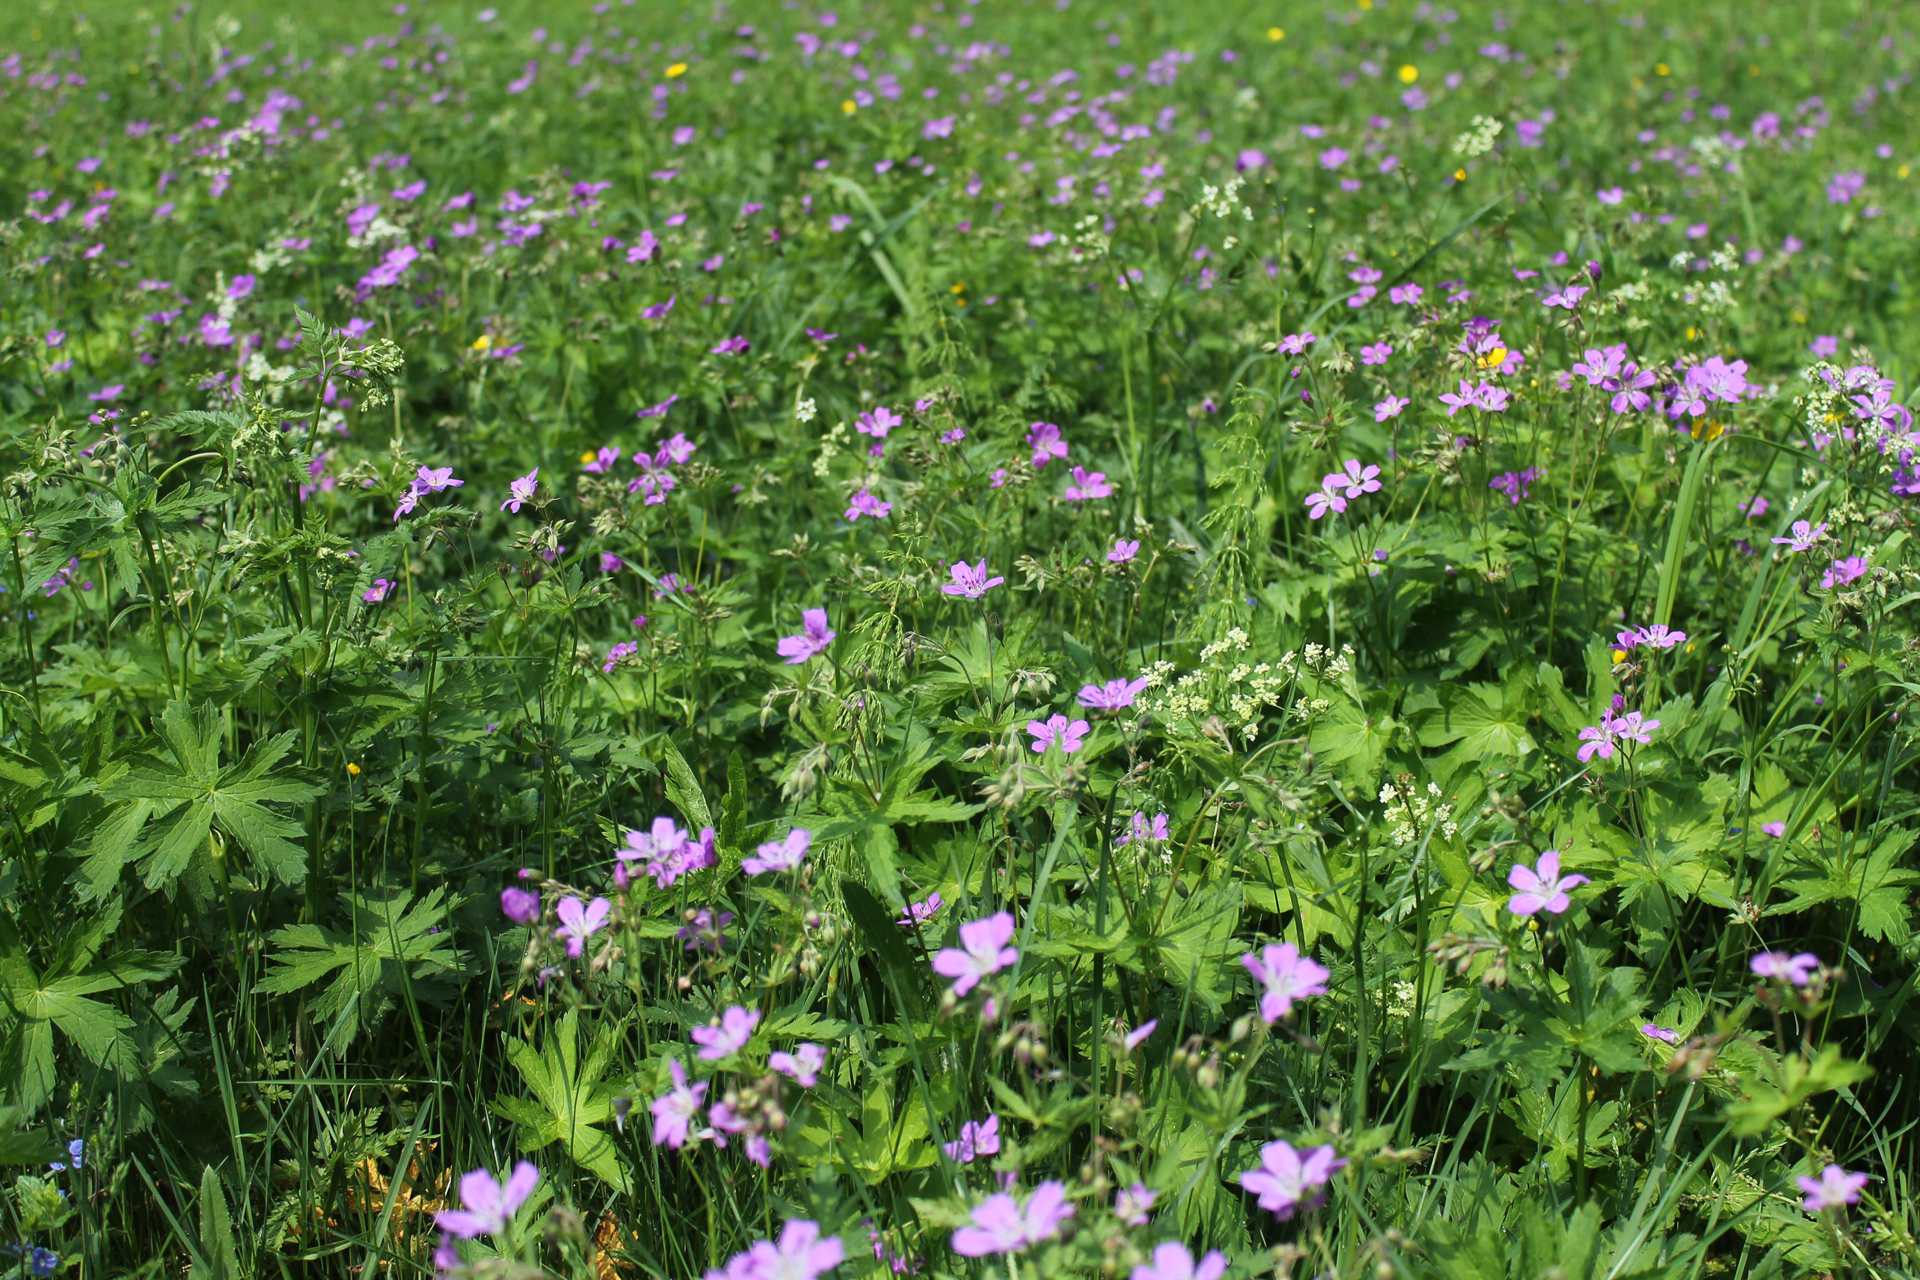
point(1478, 140)
point(1222, 202)
point(828, 448)
point(1409, 810)
point(1233, 692)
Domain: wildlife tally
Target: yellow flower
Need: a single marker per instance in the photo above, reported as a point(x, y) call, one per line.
point(481, 343)
point(588, 456)
point(1493, 359)
point(1619, 655)
point(353, 769)
point(680, 69)
point(1409, 73)
point(1275, 33)
point(848, 106)
point(1366, 4)
point(1459, 175)
point(1662, 69)
point(959, 286)
point(1711, 429)
point(1903, 171)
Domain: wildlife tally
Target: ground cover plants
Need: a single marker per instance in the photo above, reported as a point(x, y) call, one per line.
point(957, 639)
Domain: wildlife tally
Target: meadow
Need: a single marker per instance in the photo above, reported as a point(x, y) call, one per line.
point(958, 639)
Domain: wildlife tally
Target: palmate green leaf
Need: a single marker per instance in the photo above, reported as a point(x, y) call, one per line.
point(1875, 881)
point(392, 950)
point(570, 1098)
point(187, 791)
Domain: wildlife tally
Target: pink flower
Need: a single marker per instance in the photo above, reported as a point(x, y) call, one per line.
point(1356, 480)
point(779, 855)
point(877, 423)
point(1295, 343)
point(975, 1140)
point(1326, 498)
point(1596, 740)
point(1376, 354)
point(1087, 484)
point(1391, 407)
point(1568, 298)
point(1002, 1225)
point(489, 1205)
point(377, 592)
point(1542, 887)
point(1774, 829)
point(730, 346)
point(643, 249)
point(1131, 1204)
point(800, 1255)
point(1290, 1181)
point(1171, 1261)
point(919, 913)
point(1465, 398)
point(1804, 536)
point(865, 504)
point(1405, 295)
point(727, 1036)
point(657, 410)
point(1113, 695)
point(1046, 442)
point(1159, 832)
point(1835, 1188)
point(1654, 1031)
point(434, 479)
point(1284, 976)
point(1797, 969)
point(580, 921)
point(520, 905)
point(802, 1066)
point(1138, 1036)
point(1123, 551)
point(611, 563)
point(1055, 728)
point(983, 950)
point(971, 581)
point(602, 461)
point(675, 1111)
point(1632, 727)
point(521, 490)
point(813, 639)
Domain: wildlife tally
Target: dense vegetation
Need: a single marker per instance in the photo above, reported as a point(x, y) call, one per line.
point(1145, 640)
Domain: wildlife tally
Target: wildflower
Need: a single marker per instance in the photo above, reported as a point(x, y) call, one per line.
point(600, 463)
point(521, 490)
point(975, 1140)
point(1774, 829)
point(1131, 1204)
point(1046, 442)
point(1171, 1261)
point(1087, 484)
point(1138, 1036)
point(676, 448)
point(1285, 976)
point(643, 249)
point(655, 410)
point(1659, 636)
point(877, 423)
point(1405, 295)
point(1804, 536)
point(1295, 344)
point(1002, 1225)
point(611, 563)
point(675, 1110)
point(813, 639)
point(1124, 551)
point(1113, 695)
point(1568, 298)
point(377, 592)
point(1631, 389)
point(1601, 364)
point(779, 855)
point(1391, 407)
point(489, 1206)
point(435, 479)
point(520, 905)
point(1054, 729)
point(1290, 1181)
point(983, 950)
point(1157, 832)
point(730, 346)
point(727, 1036)
point(1466, 398)
point(1542, 888)
point(865, 504)
point(1596, 740)
point(668, 851)
point(821, 336)
point(1326, 498)
point(1835, 1188)
point(955, 436)
point(1514, 483)
point(1356, 480)
point(919, 913)
point(1491, 398)
point(971, 581)
point(580, 921)
point(1653, 1031)
point(1632, 727)
point(1796, 969)
point(1376, 354)
point(1841, 572)
point(802, 1066)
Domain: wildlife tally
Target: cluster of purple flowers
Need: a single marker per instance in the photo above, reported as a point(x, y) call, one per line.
point(1337, 488)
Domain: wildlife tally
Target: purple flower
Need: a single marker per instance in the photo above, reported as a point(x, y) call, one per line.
point(919, 913)
point(1804, 536)
point(730, 346)
point(704, 930)
point(1114, 694)
point(668, 851)
point(675, 1111)
point(489, 1205)
point(1568, 298)
point(1131, 1204)
point(1391, 407)
point(1290, 1181)
point(877, 423)
point(1138, 1036)
point(1466, 398)
point(865, 504)
point(1835, 1188)
point(1405, 295)
point(1774, 829)
point(1631, 389)
point(1171, 1261)
point(611, 563)
point(1601, 363)
point(1653, 1031)
point(1375, 354)
point(1123, 551)
point(434, 479)
point(1824, 346)
point(1542, 888)
point(1139, 829)
point(625, 649)
point(813, 639)
point(1841, 572)
point(1326, 498)
point(1086, 485)
point(938, 127)
point(659, 310)
point(1054, 729)
point(821, 336)
point(520, 905)
point(1046, 442)
point(1295, 343)
point(1796, 969)
point(1284, 976)
point(643, 249)
point(108, 393)
point(976, 1139)
point(1514, 483)
point(1845, 186)
point(802, 1066)
point(1002, 1225)
point(1611, 195)
point(971, 581)
point(729, 1035)
point(1660, 636)
point(579, 921)
point(377, 592)
point(983, 950)
point(521, 490)
point(1357, 480)
point(779, 855)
